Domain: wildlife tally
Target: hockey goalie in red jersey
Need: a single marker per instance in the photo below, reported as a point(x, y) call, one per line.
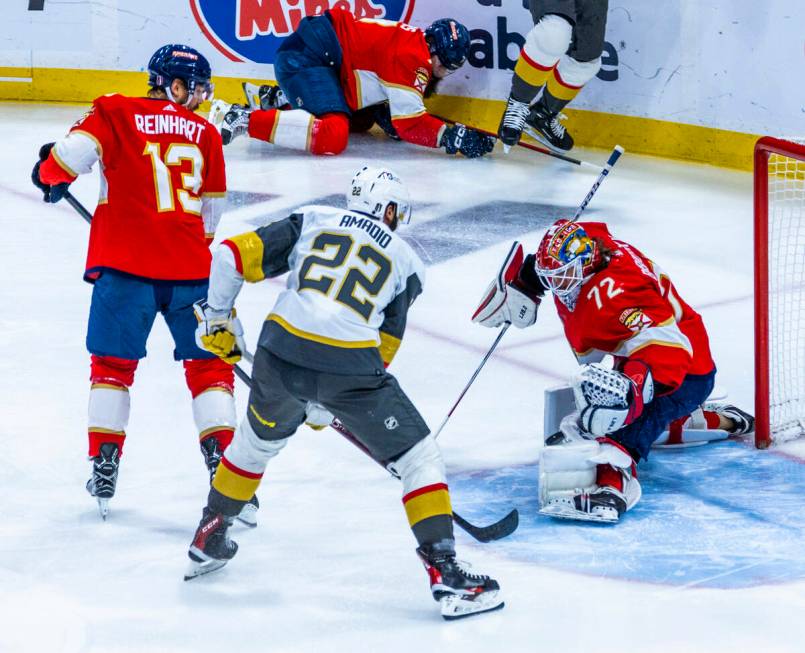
point(162, 187)
point(612, 300)
point(335, 65)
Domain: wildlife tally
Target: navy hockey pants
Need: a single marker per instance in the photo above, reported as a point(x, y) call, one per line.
point(308, 68)
point(657, 415)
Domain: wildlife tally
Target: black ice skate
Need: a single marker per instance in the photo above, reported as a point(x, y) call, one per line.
point(232, 120)
point(211, 547)
point(546, 128)
point(212, 452)
point(512, 123)
point(743, 422)
point(104, 476)
point(267, 96)
point(459, 592)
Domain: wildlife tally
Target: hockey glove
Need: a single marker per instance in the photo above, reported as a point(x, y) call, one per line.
point(607, 399)
point(53, 193)
point(469, 142)
point(219, 332)
point(506, 299)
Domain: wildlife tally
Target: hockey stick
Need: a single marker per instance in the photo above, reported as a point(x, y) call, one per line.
point(529, 146)
point(473, 377)
point(611, 161)
point(496, 531)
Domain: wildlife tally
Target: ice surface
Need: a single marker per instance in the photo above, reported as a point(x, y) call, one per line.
point(711, 560)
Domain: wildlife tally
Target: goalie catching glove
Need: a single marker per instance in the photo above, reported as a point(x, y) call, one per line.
point(608, 399)
point(507, 298)
point(219, 332)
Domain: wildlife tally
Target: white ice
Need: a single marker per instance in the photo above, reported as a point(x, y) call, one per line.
point(331, 566)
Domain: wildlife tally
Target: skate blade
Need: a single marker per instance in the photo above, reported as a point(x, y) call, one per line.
point(506, 148)
point(566, 512)
point(533, 133)
point(248, 516)
point(458, 607)
point(103, 507)
point(218, 110)
point(196, 569)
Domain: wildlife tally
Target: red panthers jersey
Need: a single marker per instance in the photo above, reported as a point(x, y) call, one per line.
point(631, 309)
point(160, 166)
point(387, 61)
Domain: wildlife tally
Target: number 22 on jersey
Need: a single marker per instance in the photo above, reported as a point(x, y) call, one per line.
point(175, 155)
point(350, 278)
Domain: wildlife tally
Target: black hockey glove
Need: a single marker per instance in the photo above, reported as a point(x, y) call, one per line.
point(51, 194)
point(469, 142)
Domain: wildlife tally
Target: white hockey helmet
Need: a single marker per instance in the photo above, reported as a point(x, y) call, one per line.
point(373, 189)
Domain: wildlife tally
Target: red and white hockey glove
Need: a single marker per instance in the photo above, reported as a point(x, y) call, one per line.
point(607, 399)
point(506, 299)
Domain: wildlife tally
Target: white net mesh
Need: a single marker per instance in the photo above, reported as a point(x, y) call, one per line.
point(786, 302)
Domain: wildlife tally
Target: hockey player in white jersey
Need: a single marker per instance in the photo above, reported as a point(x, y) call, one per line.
point(328, 341)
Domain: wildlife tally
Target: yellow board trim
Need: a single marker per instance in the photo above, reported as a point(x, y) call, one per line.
point(428, 505)
point(234, 485)
point(343, 344)
point(601, 130)
point(590, 129)
point(250, 247)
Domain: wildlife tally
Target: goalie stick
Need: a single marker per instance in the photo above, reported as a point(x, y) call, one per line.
point(496, 531)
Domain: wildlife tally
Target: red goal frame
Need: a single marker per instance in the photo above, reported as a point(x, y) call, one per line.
point(764, 148)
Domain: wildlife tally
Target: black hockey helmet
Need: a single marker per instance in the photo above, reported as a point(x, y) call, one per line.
point(174, 61)
point(450, 41)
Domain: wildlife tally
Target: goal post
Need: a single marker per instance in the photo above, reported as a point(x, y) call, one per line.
point(779, 245)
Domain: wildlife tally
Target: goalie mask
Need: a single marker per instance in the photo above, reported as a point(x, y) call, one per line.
point(374, 190)
point(565, 259)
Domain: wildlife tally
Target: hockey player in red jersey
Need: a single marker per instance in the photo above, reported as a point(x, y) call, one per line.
point(334, 65)
point(613, 300)
point(162, 189)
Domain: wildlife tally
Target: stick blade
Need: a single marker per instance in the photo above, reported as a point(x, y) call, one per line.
point(497, 531)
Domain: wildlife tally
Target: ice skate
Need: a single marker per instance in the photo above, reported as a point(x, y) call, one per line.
point(744, 423)
point(103, 481)
point(211, 450)
point(459, 592)
point(211, 547)
point(604, 504)
point(267, 96)
point(232, 120)
point(512, 123)
point(546, 127)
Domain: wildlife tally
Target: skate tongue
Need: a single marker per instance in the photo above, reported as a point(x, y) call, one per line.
point(458, 607)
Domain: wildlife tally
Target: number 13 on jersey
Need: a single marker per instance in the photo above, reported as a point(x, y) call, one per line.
point(175, 155)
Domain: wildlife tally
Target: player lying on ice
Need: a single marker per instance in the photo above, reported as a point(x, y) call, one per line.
point(334, 65)
point(327, 341)
point(612, 300)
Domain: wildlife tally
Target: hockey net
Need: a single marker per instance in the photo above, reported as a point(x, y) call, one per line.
point(779, 291)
